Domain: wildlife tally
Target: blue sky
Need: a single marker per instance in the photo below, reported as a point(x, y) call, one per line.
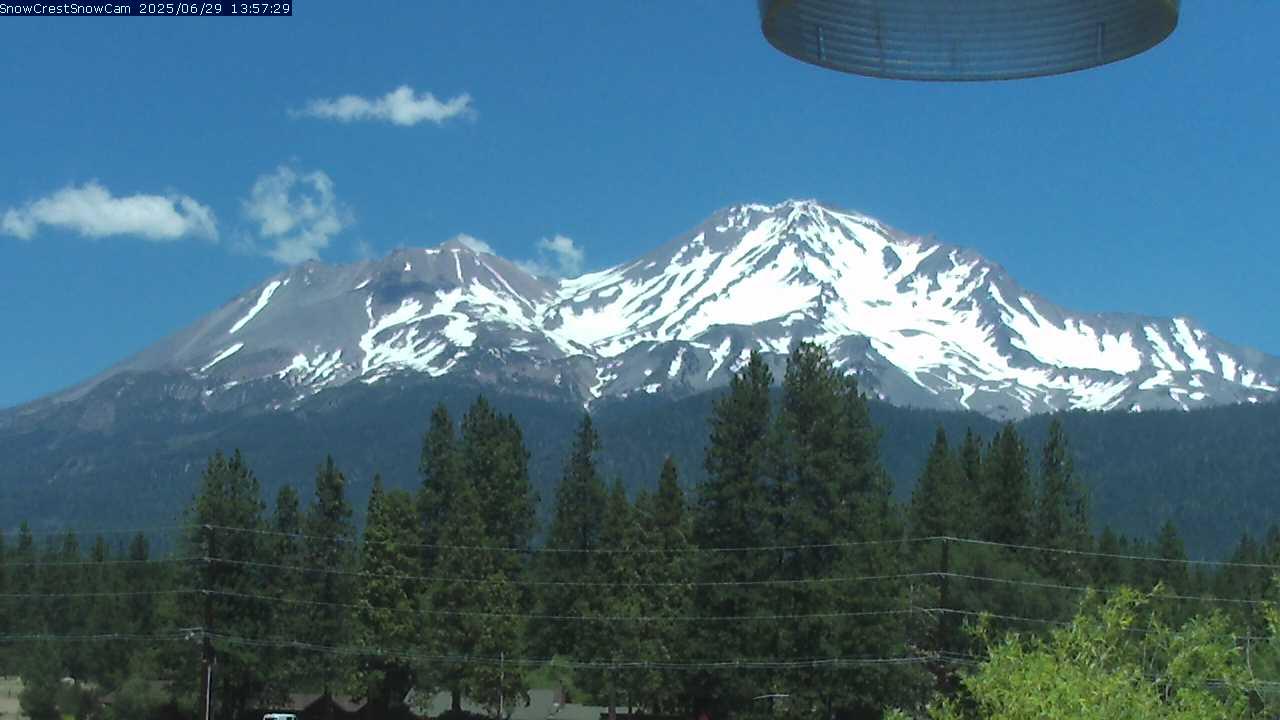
point(152, 169)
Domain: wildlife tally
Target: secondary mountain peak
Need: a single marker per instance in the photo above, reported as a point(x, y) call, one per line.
point(922, 323)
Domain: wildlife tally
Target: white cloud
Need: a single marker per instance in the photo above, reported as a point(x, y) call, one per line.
point(93, 212)
point(558, 256)
point(296, 213)
point(473, 243)
point(401, 106)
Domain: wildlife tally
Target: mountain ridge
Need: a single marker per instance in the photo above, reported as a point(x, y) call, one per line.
point(922, 323)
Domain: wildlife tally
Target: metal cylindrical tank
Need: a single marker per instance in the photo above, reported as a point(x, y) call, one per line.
point(965, 39)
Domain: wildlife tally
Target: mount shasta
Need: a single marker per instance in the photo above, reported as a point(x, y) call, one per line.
point(922, 323)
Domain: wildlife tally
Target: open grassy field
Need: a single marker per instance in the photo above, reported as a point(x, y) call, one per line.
point(9, 689)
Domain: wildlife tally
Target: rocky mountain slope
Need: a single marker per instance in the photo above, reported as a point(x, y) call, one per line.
point(923, 323)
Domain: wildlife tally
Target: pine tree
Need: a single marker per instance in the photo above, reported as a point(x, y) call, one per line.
point(1061, 510)
point(496, 463)
point(7, 604)
point(1006, 490)
point(329, 553)
point(733, 510)
point(61, 578)
point(937, 510)
point(227, 518)
point(576, 525)
point(387, 624)
point(829, 491)
point(440, 467)
point(462, 569)
point(938, 493)
point(26, 616)
point(104, 661)
point(666, 526)
point(1169, 546)
point(285, 548)
point(1106, 570)
point(617, 636)
point(967, 523)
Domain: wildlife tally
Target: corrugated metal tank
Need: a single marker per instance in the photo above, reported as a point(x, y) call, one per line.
point(965, 39)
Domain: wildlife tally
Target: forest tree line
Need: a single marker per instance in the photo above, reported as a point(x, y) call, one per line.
point(789, 582)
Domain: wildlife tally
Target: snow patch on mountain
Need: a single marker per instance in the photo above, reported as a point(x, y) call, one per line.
point(263, 299)
point(920, 322)
point(222, 356)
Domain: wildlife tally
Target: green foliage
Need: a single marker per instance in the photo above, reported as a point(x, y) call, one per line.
point(940, 494)
point(329, 554)
point(1061, 510)
point(41, 683)
point(795, 469)
point(576, 525)
point(1005, 494)
point(440, 468)
point(1104, 665)
point(733, 511)
point(230, 497)
point(387, 603)
point(137, 698)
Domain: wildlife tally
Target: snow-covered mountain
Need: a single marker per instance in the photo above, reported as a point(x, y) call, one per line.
point(923, 323)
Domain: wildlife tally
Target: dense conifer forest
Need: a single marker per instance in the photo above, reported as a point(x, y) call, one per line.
point(788, 581)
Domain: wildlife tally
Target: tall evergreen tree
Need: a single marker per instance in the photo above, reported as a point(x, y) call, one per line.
point(830, 492)
point(140, 577)
point(440, 467)
point(576, 525)
point(496, 463)
point(7, 604)
point(938, 506)
point(1006, 490)
point(104, 661)
point(329, 552)
point(1107, 570)
point(287, 672)
point(387, 624)
point(61, 578)
point(938, 495)
point(665, 528)
point(1061, 510)
point(733, 511)
point(474, 609)
point(967, 522)
point(22, 580)
point(226, 518)
point(617, 636)
point(1169, 546)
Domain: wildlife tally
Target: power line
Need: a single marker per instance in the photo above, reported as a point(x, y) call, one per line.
point(610, 664)
point(761, 548)
point(1101, 590)
point(124, 593)
point(579, 618)
point(155, 529)
point(575, 551)
point(104, 561)
point(565, 583)
point(687, 550)
point(1114, 556)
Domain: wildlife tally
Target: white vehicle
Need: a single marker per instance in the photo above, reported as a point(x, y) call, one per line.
point(279, 716)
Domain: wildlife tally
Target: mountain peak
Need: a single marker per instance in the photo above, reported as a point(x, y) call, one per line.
point(923, 324)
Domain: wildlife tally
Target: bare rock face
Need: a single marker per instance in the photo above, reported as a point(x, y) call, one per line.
point(921, 323)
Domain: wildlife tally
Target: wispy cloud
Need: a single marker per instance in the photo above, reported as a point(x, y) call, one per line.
point(472, 242)
point(401, 106)
point(93, 212)
point(297, 214)
point(557, 256)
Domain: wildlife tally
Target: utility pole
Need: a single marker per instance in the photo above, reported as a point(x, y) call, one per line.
point(206, 660)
